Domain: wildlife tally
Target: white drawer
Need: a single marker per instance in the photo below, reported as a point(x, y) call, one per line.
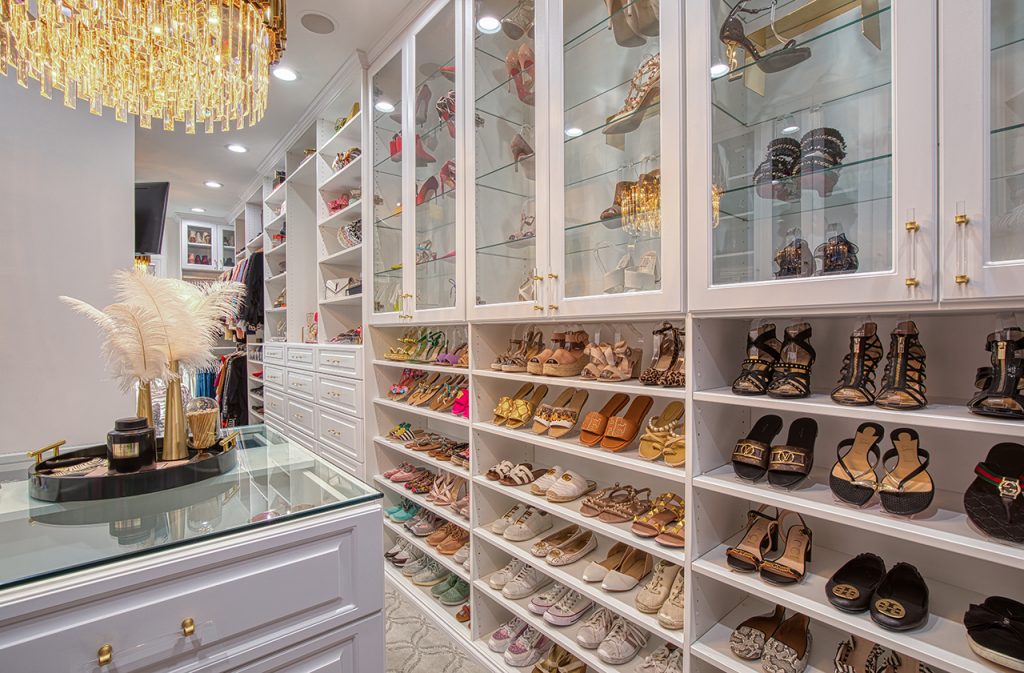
point(300, 416)
point(340, 360)
point(269, 585)
point(303, 357)
point(356, 648)
point(273, 354)
point(340, 394)
point(299, 383)
point(341, 432)
point(273, 376)
point(303, 440)
point(339, 460)
point(277, 426)
point(273, 404)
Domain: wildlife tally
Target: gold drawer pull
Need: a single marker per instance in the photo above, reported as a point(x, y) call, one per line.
point(105, 655)
point(188, 626)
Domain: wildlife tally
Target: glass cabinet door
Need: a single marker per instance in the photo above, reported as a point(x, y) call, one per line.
point(432, 151)
point(507, 233)
point(199, 245)
point(982, 151)
point(389, 292)
point(618, 245)
point(227, 247)
point(815, 115)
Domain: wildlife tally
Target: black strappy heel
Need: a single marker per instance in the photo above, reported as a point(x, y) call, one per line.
point(857, 378)
point(1000, 384)
point(734, 37)
point(791, 375)
point(903, 382)
point(762, 354)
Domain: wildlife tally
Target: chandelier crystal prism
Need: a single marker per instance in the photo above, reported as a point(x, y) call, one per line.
point(179, 61)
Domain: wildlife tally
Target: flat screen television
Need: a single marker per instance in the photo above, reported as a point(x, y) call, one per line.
point(150, 213)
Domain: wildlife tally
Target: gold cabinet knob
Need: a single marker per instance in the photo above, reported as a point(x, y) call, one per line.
point(961, 219)
point(538, 308)
point(105, 655)
point(962, 279)
point(553, 307)
point(912, 282)
point(188, 626)
point(553, 275)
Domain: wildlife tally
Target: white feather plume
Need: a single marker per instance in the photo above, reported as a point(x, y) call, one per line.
point(133, 344)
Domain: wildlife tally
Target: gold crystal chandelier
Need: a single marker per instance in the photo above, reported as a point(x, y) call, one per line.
point(188, 61)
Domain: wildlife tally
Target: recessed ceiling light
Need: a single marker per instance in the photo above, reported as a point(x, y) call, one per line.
point(384, 106)
point(199, 210)
point(285, 74)
point(488, 24)
point(213, 184)
point(240, 149)
point(790, 130)
point(573, 132)
point(719, 69)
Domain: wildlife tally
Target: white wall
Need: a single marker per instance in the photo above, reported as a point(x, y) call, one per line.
point(66, 223)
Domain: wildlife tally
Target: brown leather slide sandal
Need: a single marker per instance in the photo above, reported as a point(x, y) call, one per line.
point(621, 430)
point(595, 422)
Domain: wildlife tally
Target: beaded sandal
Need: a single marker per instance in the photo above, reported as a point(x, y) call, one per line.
point(762, 355)
point(903, 382)
point(643, 96)
point(857, 378)
point(791, 375)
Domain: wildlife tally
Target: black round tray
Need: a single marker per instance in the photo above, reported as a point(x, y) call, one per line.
point(101, 485)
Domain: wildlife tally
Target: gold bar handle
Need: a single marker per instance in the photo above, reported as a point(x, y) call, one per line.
point(961, 220)
point(38, 453)
point(230, 442)
point(105, 655)
point(188, 626)
point(912, 227)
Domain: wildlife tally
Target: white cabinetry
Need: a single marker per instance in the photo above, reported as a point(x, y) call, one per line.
point(207, 246)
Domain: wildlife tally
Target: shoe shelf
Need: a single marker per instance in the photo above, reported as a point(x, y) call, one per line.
point(631, 387)
point(619, 602)
point(425, 412)
point(940, 643)
point(713, 646)
point(570, 512)
point(345, 257)
point(402, 532)
point(345, 178)
point(348, 136)
point(443, 615)
point(562, 635)
point(350, 213)
point(400, 491)
point(400, 364)
point(347, 300)
point(629, 459)
point(421, 458)
point(943, 526)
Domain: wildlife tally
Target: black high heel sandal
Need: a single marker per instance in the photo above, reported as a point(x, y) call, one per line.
point(857, 378)
point(791, 566)
point(1000, 384)
point(734, 37)
point(791, 375)
point(762, 354)
point(903, 381)
point(760, 538)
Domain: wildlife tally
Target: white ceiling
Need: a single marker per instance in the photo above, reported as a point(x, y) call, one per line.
point(187, 161)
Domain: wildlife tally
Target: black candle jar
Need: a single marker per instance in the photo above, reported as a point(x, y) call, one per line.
point(131, 445)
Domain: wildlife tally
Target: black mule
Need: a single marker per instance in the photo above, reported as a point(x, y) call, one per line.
point(750, 457)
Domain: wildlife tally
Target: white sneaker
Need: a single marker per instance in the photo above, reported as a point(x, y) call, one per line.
point(499, 525)
point(544, 482)
point(529, 525)
point(499, 579)
point(527, 649)
point(542, 602)
point(622, 643)
point(398, 548)
point(595, 628)
point(656, 661)
point(413, 567)
point(569, 609)
point(654, 594)
point(467, 564)
point(505, 634)
point(462, 554)
point(671, 613)
point(675, 663)
point(528, 581)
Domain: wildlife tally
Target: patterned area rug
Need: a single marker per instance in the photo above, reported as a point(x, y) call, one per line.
point(415, 645)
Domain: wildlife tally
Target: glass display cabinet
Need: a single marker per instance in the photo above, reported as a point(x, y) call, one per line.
point(577, 131)
point(982, 150)
point(416, 143)
point(816, 117)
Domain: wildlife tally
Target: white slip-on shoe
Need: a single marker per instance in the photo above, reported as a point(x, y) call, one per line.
point(527, 582)
point(545, 481)
point(500, 578)
point(595, 628)
point(622, 643)
point(573, 550)
point(529, 525)
point(569, 609)
point(636, 566)
point(568, 487)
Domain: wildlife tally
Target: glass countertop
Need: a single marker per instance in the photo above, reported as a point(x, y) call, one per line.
point(276, 480)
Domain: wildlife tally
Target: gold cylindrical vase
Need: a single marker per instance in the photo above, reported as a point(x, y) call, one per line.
point(175, 439)
point(144, 404)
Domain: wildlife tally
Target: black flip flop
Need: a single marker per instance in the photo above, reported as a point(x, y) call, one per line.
point(900, 602)
point(750, 457)
point(790, 463)
point(850, 589)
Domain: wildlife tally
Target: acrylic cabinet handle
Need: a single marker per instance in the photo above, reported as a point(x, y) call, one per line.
point(912, 228)
point(961, 278)
point(105, 655)
point(188, 626)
